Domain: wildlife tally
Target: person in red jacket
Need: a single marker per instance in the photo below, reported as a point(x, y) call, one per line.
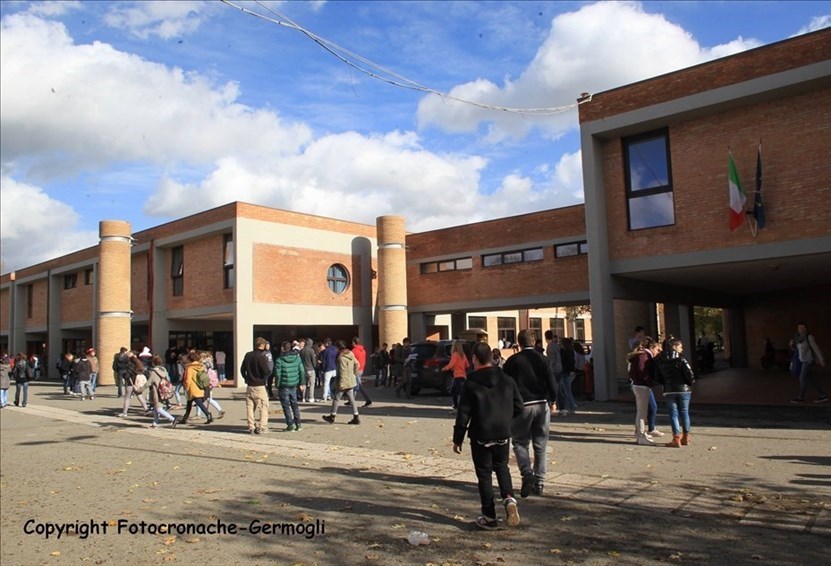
point(360, 355)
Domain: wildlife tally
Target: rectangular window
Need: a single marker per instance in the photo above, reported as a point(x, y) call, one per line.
point(70, 280)
point(580, 330)
point(88, 277)
point(228, 260)
point(506, 327)
point(177, 270)
point(447, 265)
point(477, 322)
point(491, 260)
point(535, 324)
point(507, 258)
point(558, 326)
point(571, 249)
point(648, 174)
point(30, 301)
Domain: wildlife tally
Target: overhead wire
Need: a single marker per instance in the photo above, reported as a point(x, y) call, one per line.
point(378, 72)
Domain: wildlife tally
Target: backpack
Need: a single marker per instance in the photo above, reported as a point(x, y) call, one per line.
point(213, 378)
point(139, 382)
point(203, 380)
point(165, 389)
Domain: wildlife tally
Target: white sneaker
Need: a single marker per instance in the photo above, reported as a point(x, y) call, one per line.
point(645, 441)
point(656, 433)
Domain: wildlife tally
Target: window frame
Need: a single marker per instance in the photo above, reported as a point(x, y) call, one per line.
point(70, 281)
point(476, 319)
point(89, 276)
point(502, 327)
point(633, 194)
point(581, 248)
point(177, 270)
point(445, 265)
point(332, 280)
point(228, 265)
point(510, 257)
point(557, 325)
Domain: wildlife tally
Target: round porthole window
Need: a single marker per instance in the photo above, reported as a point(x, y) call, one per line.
point(338, 279)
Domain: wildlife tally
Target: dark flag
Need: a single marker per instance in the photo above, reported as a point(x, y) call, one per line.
point(758, 207)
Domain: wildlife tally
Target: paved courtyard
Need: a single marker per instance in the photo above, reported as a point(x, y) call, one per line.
point(755, 486)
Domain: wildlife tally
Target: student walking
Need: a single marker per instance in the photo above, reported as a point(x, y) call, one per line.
point(289, 376)
point(347, 367)
point(488, 404)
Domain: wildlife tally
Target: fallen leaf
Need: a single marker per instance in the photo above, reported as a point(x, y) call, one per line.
point(55, 553)
point(192, 540)
point(169, 540)
point(555, 551)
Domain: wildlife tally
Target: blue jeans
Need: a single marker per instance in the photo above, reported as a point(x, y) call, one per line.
point(652, 411)
point(806, 378)
point(288, 399)
point(4, 397)
point(93, 380)
point(531, 428)
point(678, 406)
point(566, 395)
point(25, 388)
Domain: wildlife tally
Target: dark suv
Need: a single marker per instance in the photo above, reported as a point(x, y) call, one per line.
point(426, 370)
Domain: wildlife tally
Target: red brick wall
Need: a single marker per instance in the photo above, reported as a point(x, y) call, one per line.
point(305, 220)
point(139, 299)
point(551, 275)
point(76, 303)
point(796, 135)
point(295, 276)
point(767, 60)
point(204, 275)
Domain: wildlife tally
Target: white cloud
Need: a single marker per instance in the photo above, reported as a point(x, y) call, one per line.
point(35, 226)
point(89, 105)
point(53, 8)
point(817, 23)
point(600, 46)
point(347, 175)
point(166, 19)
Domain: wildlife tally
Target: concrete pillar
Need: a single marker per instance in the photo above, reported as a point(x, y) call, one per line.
point(392, 279)
point(114, 313)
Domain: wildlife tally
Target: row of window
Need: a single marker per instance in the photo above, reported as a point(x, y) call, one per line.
point(507, 326)
point(505, 258)
point(70, 280)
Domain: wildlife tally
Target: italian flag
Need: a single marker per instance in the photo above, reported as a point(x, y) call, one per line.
point(737, 196)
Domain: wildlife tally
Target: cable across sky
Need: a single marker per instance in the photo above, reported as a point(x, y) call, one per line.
point(378, 72)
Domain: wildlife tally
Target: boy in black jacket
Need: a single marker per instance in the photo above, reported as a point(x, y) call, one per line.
point(489, 402)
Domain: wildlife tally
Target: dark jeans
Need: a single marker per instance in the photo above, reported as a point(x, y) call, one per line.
point(25, 387)
point(486, 461)
point(652, 411)
point(456, 391)
point(121, 381)
point(806, 378)
point(288, 399)
point(359, 388)
point(65, 379)
point(200, 402)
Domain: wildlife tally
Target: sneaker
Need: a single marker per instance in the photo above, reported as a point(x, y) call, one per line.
point(823, 399)
point(355, 420)
point(252, 431)
point(221, 414)
point(527, 484)
point(263, 431)
point(329, 419)
point(487, 523)
point(258, 431)
point(797, 401)
point(512, 511)
point(122, 415)
point(297, 426)
point(539, 488)
point(289, 428)
point(645, 441)
point(153, 425)
point(173, 423)
point(92, 398)
point(655, 432)
point(368, 403)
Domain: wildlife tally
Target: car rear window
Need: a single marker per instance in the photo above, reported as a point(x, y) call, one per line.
point(424, 350)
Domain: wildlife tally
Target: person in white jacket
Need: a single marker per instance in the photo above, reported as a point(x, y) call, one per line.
point(806, 354)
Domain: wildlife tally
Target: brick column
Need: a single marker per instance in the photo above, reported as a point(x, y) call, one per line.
point(392, 279)
point(114, 313)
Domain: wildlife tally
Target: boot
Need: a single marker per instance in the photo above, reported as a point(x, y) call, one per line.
point(685, 439)
point(675, 443)
point(355, 420)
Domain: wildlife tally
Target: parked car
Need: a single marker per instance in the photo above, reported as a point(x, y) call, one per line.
point(426, 370)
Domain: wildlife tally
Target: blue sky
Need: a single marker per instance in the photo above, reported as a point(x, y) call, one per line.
point(150, 111)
